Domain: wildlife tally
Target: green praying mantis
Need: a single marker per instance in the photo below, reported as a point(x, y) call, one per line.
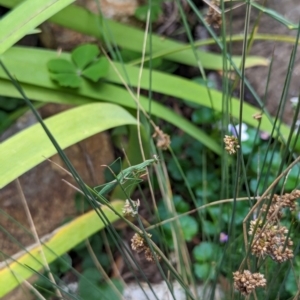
point(130, 173)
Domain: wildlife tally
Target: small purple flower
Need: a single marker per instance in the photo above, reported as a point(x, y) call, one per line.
point(223, 237)
point(264, 135)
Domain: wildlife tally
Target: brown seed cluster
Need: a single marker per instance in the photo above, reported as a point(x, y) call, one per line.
point(287, 200)
point(213, 16)
point(270, 239)
point(131, 208)
point(274, 212)
point(247, 282)
point(139, 244)
point(163, 140)
point(231, 144)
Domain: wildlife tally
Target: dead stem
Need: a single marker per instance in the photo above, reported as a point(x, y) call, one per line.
point(199, 208)
point(101, 270)
point(34, 232)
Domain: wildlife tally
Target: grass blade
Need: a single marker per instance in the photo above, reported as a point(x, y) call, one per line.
point(68, 128)
point(25, 18)
point(60, 241)
point(90, 24)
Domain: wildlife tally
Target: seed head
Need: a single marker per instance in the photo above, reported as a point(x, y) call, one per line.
point(231, 144)
point(163, 140)
point(246, 282)
point(139, 244)
point(213, 16)
point(131, 208)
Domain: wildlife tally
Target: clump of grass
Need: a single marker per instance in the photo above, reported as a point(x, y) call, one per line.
point(269, 238)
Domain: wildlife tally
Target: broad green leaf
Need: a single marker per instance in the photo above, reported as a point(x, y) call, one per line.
point(25, 18)
point(134, 39)
point(59, 242)
point(28, 148)
point(34, 31)
point(39, 77)
point(84, 55)
point(97, 70)
point(66, 79)
point(60, 65)
point(111, 94)
point(36, 59)
point(275, 15)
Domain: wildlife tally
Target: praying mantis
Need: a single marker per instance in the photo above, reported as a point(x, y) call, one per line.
point(130, 173)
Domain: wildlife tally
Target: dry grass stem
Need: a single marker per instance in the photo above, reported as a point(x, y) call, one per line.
point(37, 240)
point(101, 270)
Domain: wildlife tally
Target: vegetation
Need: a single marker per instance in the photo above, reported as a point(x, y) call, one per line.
point(208, 195)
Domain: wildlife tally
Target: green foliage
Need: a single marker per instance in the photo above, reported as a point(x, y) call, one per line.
point(188, 224)
point(155, 11)
point(67, 127)
point(206, 174)
point(291, 285)
point(58, 268)
point(206, 256)
point(25, 17)
point(91, 281)
point(85, 63)
point(93, 289)
point(10, 110)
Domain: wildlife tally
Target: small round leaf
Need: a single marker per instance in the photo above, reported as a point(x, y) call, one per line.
point(83, 55)
point(202, 270)
point(60, 65)
point(66, 79)
point(189, 227)
point(97, 70)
